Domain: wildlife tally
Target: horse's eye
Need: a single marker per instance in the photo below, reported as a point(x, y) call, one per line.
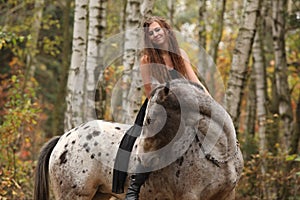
point(148, 120)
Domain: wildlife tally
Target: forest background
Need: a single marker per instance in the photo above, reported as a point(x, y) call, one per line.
point(47, 44)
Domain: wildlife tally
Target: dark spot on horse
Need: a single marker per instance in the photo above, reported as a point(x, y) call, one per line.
point(149, 191)
point(178, 173)
point(81, 161)
point(62, 157)
point(85, 145)
point(92, 156)
point(60, 182)
point(73, 142)
point(86, 127)
point(74, 186)
point(109, 172)
point(96, 133)
point(76, 129)
point(83, 171)
point(66, 145)
point(99, 154)
point(68, 133)
point(180, 160)
point(112, 143)
point(107, 154)
point(89, 137)
point(87, 149)
point(96, 143)
point(118, 128)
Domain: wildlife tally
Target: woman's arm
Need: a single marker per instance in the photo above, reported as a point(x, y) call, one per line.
point(189, 70)
point(145, 72)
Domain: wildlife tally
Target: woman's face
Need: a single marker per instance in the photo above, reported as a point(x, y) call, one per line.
point(157, 34)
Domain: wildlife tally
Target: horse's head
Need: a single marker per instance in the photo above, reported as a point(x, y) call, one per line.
point(179, 110)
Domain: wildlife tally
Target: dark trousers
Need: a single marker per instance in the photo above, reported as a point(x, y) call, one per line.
point(125, 148)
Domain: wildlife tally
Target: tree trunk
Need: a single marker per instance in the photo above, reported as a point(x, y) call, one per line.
point(171, 11)
point(285, 109)
point(259, 66)
point(202, 34)
point(133, 17)
point(74, 114)
point(202, 23)
point(97, 24)
point(216, 36)
point(251, 108)
point(35, 30)
point(239, 67)
point(60, 104)
point(136, 88)
point(100, 96)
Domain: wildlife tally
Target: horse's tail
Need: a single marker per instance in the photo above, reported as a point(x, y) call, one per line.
point(41, 183)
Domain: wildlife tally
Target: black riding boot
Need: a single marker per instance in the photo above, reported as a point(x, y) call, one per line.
point(136, 182)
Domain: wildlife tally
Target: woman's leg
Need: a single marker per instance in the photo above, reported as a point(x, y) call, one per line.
point(136, 182)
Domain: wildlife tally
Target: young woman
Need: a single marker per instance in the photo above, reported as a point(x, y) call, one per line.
point(161, 61)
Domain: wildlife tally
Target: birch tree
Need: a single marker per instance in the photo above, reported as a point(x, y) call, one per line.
point(74, 114)
point(285, 109)
point(239, 67)
point(97, 23)
point(216, 36)
point(171, 7)
point(260, 90)
point(135, 11)
point(259, 67)
point(100, 97)
point(202, 23)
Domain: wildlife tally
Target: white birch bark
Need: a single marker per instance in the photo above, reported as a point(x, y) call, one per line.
point(279, 8)
point(261, 101)
point(133, 17)
point(75, 86)
point(100, 101)
point(239, 66)
point(136, 11)
point(95, 33)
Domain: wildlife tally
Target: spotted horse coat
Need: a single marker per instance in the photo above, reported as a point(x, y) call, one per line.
point(188, 143)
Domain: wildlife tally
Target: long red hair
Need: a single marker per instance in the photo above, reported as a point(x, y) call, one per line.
point(154, 54)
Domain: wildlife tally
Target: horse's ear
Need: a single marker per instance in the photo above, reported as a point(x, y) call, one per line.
point(167, 88)
point(162, 95)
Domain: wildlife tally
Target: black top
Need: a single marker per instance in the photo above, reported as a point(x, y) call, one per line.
point(174, 74)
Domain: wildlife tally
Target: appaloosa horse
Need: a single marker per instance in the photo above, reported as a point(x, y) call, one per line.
point(188, 142)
